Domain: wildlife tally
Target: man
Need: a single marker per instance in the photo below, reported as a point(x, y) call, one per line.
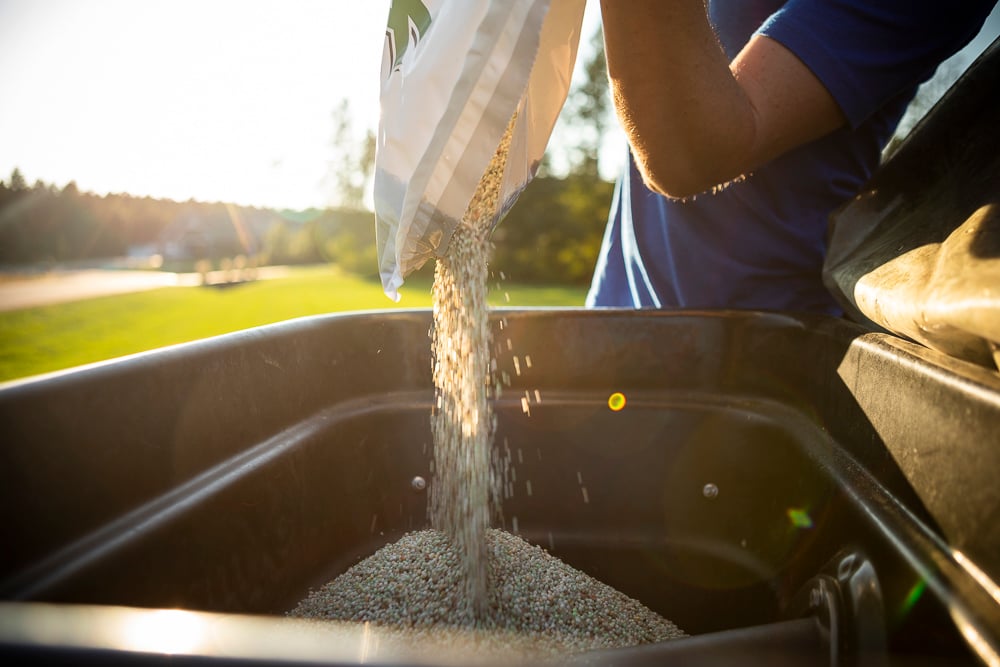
point(749, 122)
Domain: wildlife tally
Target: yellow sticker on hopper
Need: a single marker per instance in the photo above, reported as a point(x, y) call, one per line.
point(616, 401)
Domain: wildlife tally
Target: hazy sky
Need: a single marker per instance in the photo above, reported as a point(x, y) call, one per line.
point(211, 99)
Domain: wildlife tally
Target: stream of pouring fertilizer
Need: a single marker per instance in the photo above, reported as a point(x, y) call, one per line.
point(466, 486)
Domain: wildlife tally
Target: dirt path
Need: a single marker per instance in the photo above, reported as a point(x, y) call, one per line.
point(18, 292)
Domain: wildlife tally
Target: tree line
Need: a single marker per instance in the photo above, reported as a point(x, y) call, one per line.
point(46, 224)
point(551, 235)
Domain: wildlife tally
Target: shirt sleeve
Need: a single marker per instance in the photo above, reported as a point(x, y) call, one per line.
point(866, 52)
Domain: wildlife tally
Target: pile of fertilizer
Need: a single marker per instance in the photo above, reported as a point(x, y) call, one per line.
point(537, 604)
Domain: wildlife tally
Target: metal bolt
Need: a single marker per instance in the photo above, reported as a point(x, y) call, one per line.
point(710, 491)
point(418, 483)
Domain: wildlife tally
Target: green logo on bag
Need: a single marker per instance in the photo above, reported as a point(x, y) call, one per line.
point(408, 21)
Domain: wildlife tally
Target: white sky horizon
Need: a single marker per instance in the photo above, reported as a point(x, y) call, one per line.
point(221, 100)
point(214, 100)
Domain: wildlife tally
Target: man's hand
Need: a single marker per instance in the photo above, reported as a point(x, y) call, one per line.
point(693, 119)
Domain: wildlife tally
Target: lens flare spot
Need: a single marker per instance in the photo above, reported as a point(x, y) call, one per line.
point(912, 597)
point(799, 517)
point(616, 401)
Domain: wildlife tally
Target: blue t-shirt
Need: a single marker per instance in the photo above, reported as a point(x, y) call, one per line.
point(759, 242)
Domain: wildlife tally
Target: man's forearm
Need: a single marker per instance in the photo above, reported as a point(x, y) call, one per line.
point(687, 120)
point(694, 120)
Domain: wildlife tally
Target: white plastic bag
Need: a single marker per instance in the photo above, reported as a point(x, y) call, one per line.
point(454, 72)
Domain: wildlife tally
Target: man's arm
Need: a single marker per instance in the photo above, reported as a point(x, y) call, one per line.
point(693, 119)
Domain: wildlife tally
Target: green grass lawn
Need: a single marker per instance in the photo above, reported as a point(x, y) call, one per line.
point(48, 338)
